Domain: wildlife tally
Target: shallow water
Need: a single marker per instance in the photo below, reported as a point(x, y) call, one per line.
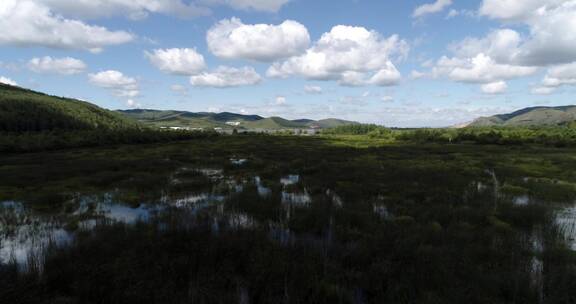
point(566, 220)
point(28, 232)
point(290, 211)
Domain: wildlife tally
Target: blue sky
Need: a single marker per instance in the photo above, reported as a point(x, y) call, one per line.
point(397, 63)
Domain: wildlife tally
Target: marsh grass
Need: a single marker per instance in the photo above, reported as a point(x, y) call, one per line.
point(446, 237)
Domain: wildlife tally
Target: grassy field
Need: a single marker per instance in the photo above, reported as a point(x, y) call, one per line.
point(273, 219)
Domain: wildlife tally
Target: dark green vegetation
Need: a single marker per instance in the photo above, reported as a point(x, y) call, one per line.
point(535, 116)
point(560, 136)
point(32, 121)
point(226, 120)
point(22, 110)
point(364, 222)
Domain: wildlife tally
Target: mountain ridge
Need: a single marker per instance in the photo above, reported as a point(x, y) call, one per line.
point(225, 120)
point(530, 116)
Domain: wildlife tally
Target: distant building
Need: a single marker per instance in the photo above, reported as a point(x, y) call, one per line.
point(306, 132)
point(181, 128)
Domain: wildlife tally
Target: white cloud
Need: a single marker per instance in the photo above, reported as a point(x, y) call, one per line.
point(177, 61)
point(387, 76)
point(387, 99)
point(280, 100)
point(132, 103)
point(497, 87)
point(431, 8)
point(542, 90)
point(502, 45)
point(313, 89)
point(256, 5)
point(27, 23)
point(452, 13)
point(232, 39)
point(133, 9)
point(417, 74)
point(561, 75)
point(352, 79)
point(512, 10)
point(64, 66)
point(479, 69)
point(350, 55)
point(556, 77)
point(552, 29)
point(225, 77)
point(6, 80)
point(463, 13)
point(119, 84)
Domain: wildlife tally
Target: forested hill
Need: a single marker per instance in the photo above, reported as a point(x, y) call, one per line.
point(23, 110)
point(226, 120)
point(535, 116)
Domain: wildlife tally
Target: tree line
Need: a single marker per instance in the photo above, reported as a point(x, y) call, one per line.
point(560, 136)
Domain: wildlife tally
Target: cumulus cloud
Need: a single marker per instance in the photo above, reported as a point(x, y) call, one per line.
point(493, 88)
point(6, 80)
point(502, 54)
point(27, 23)
point(280, 100)
point(232, 39)
point(120, 85)
point(417, 74)
point(502, 45)
point(63, 66)
point(387, 76)
point(431, 8)
point(315, 90)
point(558, 76)
point(256, 5)
point(506, 53)
point(479, 69)
point(138, 9)
point(561, 75)
point(551, 23)
point(226, 77)
point(350, 55)
point(513, 10)
point(177, 61)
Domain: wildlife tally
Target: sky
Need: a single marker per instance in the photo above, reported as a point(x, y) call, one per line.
point(411, 63)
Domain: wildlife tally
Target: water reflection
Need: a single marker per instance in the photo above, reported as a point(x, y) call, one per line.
point(209, 196)
point(238, 161)
point(521, 200)
point(23, 235)
point(566, 221)
point(196, 194)
point(262, 190)
point(290, 180)
point(296, 199)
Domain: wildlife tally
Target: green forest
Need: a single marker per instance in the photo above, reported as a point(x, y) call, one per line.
point(560, 136)
point(32, 121)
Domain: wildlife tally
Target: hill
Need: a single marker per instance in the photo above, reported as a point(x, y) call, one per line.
point(273, 123)
point(33, 121)
point(534, 116)
point(23, 110)
point(226, 120)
